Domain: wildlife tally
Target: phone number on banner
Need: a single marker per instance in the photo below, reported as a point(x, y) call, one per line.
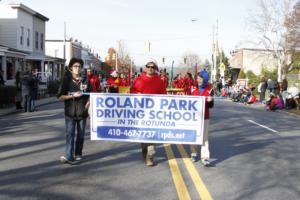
point(148, 134)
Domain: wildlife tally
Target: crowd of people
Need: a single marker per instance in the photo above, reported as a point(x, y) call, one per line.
point(271, 94)
point(27, 86)
point(150, 81)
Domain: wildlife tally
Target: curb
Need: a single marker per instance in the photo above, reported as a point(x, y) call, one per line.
point(280, 111)
point(14, 111)
point(49, 102)
point(289, 113)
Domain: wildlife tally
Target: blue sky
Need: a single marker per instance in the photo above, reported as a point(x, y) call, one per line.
point(166, 24)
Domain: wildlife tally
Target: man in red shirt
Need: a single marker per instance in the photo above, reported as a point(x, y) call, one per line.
point(148, 83)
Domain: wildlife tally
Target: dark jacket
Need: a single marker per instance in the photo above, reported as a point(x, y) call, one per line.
point(284, 85)
point(74, 108)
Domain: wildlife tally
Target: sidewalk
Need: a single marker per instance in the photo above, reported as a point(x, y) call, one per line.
point(38, 103)
point(293, 112)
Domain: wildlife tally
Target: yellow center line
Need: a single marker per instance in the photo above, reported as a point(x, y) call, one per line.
point(181, 188)
point(199, 184)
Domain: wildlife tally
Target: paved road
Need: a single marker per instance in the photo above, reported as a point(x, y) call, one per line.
point(256, 155)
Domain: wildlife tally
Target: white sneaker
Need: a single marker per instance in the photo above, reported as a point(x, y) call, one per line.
point(64, 160)
point(78, 158)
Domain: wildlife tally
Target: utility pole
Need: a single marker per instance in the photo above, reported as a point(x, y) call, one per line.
point(65, 43)
point(214, 59)
point(118, 49)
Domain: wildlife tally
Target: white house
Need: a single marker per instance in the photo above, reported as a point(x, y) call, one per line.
point(24, 29)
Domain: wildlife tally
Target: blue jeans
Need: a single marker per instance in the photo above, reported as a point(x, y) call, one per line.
point(27, 103)
point(73, 145)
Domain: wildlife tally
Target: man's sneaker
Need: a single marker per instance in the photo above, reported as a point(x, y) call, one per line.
point(149, 161)
point(206, 163)
point(78, 158)
point(194, 158)
point(64, 160)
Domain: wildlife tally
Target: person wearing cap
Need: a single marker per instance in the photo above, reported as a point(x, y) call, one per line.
point(203, 89)
point(113, 82)
point(149, 82)
point(76, 110)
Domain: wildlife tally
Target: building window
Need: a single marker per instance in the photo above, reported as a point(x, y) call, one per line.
point(28, 37)
point(22, 35)
point(42, 41)
point(36, 40)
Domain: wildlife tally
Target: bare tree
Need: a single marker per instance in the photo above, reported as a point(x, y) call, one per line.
point(293, 35)
point(269, 24)
point(190, 60)
point(123, 57)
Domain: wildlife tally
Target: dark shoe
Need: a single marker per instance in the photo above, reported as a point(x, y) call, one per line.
point(144, 153)
point(64, 160)
point(206, 163)
point(194, 157)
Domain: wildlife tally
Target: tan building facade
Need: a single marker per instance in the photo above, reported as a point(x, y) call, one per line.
point(252, 59)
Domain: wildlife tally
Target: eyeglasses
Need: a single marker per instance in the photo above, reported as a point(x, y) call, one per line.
point(79, 66)
point(151, 66)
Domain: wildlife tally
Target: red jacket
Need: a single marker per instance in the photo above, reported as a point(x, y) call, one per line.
point(113, 82)
point(95, 83)
point(148, 85)
point(188, 84)
point(205, 92)
point(165, 80)
point(123, 82)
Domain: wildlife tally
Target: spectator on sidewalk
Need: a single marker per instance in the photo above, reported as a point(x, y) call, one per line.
point(270, 85)
point(149, 83)
point(26, 91)
point(34, 89)
point(274, 102)
point(284, 87)
point(18, 90)
point(276, 87)
point(76, 111)
point(1, 78)
point(203, 89)
point(293, 97)
point(262, 88)
point(252, 99)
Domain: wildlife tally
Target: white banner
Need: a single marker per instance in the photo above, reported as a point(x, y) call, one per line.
point(147, 118)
